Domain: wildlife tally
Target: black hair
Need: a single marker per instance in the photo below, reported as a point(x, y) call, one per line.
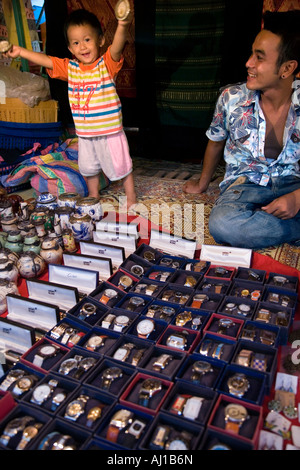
point(81, 17)
point(286, 25)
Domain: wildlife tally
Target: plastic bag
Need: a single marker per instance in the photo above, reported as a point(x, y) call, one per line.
point(28, 87)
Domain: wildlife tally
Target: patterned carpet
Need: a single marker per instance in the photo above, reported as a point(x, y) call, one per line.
point(161, 201)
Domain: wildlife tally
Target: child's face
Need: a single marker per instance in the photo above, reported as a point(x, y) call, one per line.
point(84, 43)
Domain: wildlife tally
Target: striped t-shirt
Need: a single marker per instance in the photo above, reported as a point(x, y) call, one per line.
point(94, 102)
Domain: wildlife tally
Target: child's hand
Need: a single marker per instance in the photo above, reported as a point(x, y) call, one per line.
point(13, 53)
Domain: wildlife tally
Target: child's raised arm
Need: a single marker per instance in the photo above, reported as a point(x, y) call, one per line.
point(38, 58)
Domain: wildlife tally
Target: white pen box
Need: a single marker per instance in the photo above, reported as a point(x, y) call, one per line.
point(64, 297)
point(128, 228)
point(128, 242)
point(84, 280)
point(171, 244)
point(115, 253)
point(226, 255)
point(15, 338)
point(93, 263)
point(34, 313)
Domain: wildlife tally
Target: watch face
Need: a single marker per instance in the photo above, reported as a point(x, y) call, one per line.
point(151, 384)
point(137, 270)
point(95, 342)
point(112, 373)
point(145, 327)
point(24, 383)
point(137, 301)
point(125, 281)
point(120, 354)
point(59, 397)
point(177, 444)
point(236, 412)
point(244, 308)
point(110, 293)
point(201, 367)
point(122, 320)
point(121, 418)
point(47, 350)
point(41, 392)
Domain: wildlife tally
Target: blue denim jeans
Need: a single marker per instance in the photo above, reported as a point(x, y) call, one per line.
point(237, 218)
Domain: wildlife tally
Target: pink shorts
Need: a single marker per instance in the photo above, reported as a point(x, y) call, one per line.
point(109, 153)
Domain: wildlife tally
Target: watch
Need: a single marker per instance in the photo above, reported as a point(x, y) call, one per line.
point(248, 333)
point(135, 302)
point(69, 364)
point(148, 389)
point(95, 342)
point(58, 330)
point(217, 351)
point(137, 356)
point(180, 297)
point(122, 353)
point(161, 362)
point(192, 407)
point(43, 391)
point(58, 397)
point(196, 323)
point(244, 357)
point(199, 369)
point(198, 300)
point(69, 331)
point(45, 352)
point(13, 427)
point(267, 337)
point(150, 289)
point(84, 365)
point(28, 434)
point(159, 437)
point(177, 340)
point(282, 318)
point(137, 270)
point(224, 324)
point(107, 320)
point(145, 327)
point(238, 385)
point(220, 271)
point(109, 375)
point(10, 378)
point(125, 282)
point(235, 415)
point(259, 362)
point(94, 414)
point(149, 255)
point(136, 428)
point(230, 307)
point(181, 441)
point(87, 310)
point(76, 407)
point(263, 315)
point(108, 295)
point(279, 280)
point(243, 309)
point(190, 281)
point(183, 317)
point(23, 384)
point(119, 421)
point(120, 322)
point(205, 347)
point(140, 287)
point(166, 312)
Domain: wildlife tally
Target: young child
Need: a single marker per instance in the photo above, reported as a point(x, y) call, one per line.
point(94, 102)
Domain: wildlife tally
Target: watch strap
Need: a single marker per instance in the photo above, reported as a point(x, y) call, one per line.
point(232, 426)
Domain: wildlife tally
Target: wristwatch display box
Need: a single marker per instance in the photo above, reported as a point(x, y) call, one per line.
point(258, 357)
point(175, 294)
point(192, 403)
point(261, 333)
point(147, 287)
point(281, 298)
point(51, 392)
point(133, 302)
point(94, 263)
point(204, 302)
point(34, 313)
point(290, 283)
point(136, 266)
point(213, 440)
point(223, 325)
point(124, 427)
point(253, 386)
point(111, 377)
point(70, 365)
point(12, 436)
point(115, 253)
point(186, 278)
point(281, 317)
point(84, 280)
point(14, 383)
point(160, 273)
point(117, 278)
point(241, 289)
point(248, 431)
point(48, 359)
point(171, 433)
point(100, 294)
point(99, 348)
point(179, 339)
point(130, 350)
point(148, 253)
point(68, 332)
point(216, 347)
point(251, 275)
point(195, 266)
point(64, 297)
point(190, 318)
point(200, 370)
point(237, 307)
point(211, 286)
point(220, 272)
point(162, 363)
point(61, 435)
point(84, 312)
point(95, 406)
point(132, 394)
point(147, 328)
